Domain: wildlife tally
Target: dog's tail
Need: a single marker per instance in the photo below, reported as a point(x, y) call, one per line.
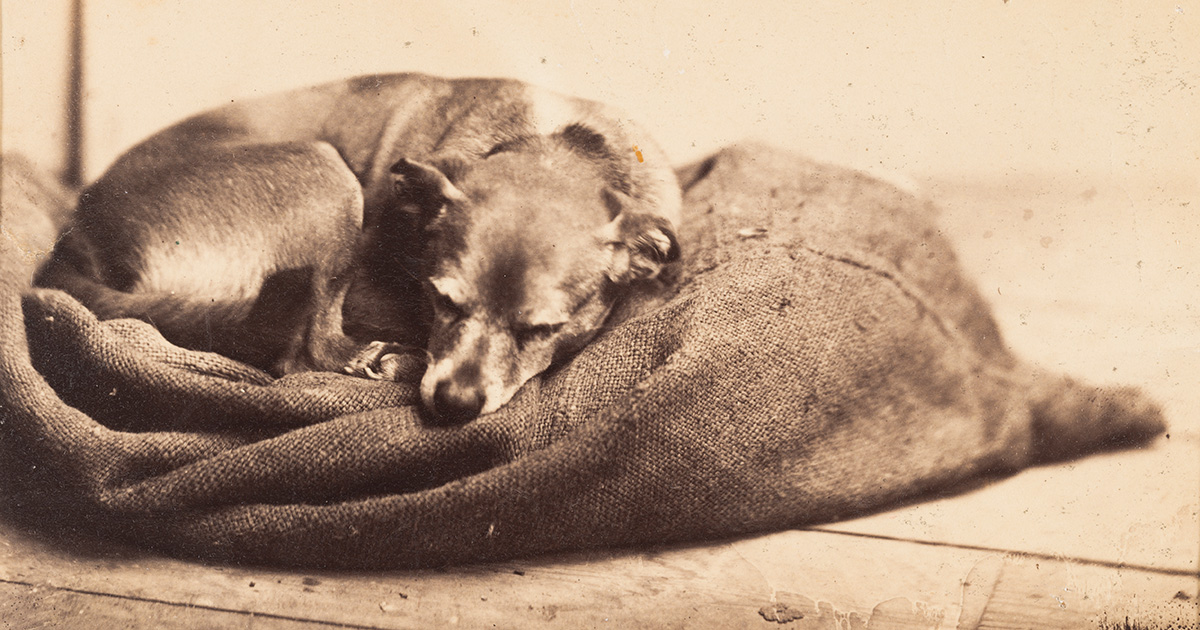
point(1071, 418)
point(237, 328)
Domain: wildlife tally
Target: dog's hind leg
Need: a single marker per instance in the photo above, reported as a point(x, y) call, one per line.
point(321, 343)
point(333, 224)
point(318, 342)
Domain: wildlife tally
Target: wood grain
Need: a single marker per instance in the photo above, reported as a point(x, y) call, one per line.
point(811, 579)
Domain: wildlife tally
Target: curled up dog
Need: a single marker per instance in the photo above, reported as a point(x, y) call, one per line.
point(493, 222)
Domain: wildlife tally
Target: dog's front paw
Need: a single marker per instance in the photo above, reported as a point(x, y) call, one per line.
point(385, 361)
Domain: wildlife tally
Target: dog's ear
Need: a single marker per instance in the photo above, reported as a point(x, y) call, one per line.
point(641, 245)
point(424, 185)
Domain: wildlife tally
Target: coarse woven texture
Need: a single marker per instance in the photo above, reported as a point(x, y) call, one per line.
point(820, 356)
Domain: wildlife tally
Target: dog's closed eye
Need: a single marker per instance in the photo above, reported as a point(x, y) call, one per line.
point(531, 333)
point(447, 307)
point(449, 297)
point(498, 148)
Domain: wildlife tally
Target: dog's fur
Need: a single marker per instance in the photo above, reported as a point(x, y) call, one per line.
point(520, 216)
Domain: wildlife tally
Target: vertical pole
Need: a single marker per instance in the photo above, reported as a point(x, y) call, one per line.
point(73, 169)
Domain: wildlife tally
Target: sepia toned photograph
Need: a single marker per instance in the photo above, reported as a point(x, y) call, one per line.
point(564, 314)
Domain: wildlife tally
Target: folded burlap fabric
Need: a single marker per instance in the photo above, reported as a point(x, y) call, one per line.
point(820, 356)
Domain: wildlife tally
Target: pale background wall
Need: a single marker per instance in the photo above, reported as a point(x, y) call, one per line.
point(989, 87)
point(33, 77)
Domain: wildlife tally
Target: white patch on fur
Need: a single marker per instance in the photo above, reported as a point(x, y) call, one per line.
point(495, 391)
point(549, 316)
point(549, 112)
point(434, 374)
point(452, 288)
point(201, 271)
point(610, 232)
point(553, 304)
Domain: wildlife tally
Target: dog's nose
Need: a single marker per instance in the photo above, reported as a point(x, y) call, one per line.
point(456, 404)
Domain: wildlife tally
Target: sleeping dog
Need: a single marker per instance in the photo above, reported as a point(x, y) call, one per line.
point(309, 230)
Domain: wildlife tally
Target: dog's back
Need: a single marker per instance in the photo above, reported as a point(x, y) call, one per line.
point(374, 121)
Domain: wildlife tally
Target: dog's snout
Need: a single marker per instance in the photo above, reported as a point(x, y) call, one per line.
point(454, 403)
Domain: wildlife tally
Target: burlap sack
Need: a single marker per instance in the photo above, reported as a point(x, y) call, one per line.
point(821, 357)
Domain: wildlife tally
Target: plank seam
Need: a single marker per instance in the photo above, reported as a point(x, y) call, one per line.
point(164, 602)
point(1023, 554)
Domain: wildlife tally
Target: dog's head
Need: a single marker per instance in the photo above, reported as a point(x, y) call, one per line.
point(528, 249)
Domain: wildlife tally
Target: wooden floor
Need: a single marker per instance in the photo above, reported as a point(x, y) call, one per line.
point(1098, 282)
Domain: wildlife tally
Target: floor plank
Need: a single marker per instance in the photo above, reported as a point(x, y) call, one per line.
point(824, 578)
point(24, 607)
point(1139, 508)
